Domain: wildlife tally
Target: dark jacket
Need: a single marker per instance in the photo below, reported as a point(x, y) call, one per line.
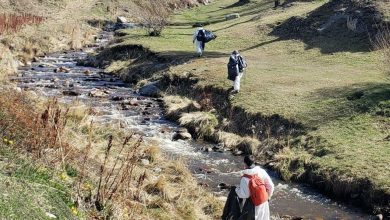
point(235, 66)
point(232, 66)
point(232, 210)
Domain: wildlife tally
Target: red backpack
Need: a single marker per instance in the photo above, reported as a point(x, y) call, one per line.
point(258, 192)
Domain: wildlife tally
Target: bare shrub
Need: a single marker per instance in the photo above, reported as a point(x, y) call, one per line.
point(13, 22)
point(154, 15)
point(34, 132)
point(382, 43)
point(114, 180)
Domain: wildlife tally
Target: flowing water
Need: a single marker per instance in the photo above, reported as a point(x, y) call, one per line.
point(117, 102)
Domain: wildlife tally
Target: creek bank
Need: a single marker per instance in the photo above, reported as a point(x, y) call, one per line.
point(274, 133)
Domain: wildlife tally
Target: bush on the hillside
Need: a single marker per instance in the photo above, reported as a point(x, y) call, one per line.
point(154, 15)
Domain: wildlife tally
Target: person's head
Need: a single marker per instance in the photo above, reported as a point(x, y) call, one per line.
point(249, 160)
point(235, 52)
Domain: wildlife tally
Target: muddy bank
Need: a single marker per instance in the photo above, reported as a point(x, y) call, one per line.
point(274, 132)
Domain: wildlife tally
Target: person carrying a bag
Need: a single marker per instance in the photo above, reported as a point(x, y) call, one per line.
point(236, 67)
point(257, 186)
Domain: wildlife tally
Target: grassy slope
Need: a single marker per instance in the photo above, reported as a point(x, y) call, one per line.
point(305, 81)
point(29, 190)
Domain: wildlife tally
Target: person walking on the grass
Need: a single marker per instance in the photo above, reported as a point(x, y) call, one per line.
point(257, 185)
point(199, 40)
point(236, 67)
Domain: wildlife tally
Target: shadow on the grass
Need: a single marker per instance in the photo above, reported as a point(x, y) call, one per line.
point(326, 28)
point(330, 104)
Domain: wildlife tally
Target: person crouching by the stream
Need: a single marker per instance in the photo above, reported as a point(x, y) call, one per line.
point(236, 67)
point(257, 187)
point(199, 40)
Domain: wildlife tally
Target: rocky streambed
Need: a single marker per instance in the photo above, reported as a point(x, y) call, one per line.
point(113, 101)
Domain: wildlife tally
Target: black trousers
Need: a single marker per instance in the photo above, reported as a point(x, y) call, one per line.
point(232, 210)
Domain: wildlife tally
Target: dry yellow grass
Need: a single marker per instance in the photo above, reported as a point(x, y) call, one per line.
point(176, 105)
point(201, 124)
point(232, 141)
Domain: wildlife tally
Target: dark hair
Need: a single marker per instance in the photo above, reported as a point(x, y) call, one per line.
point(249, 160)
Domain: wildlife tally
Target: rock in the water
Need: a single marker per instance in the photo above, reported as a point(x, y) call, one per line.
point(62, 69)
point(71, 93)
point(117, 98)
point(98, 93)
point(134, 102)
point(207, 149)
point(145, 162)
point(232, 16)
point(43, 65)
point(181, 135)
point(150, 90)
point(121, 19)
point(237, 153)
point(87, 72)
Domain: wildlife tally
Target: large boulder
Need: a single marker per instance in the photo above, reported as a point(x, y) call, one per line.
point(121, 20)
point(150, 90)
point(232, 16)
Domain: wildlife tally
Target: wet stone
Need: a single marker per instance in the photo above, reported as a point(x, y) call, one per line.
point(117, 98)
point(145, 113)
point(71, 93)
point(98, 93)
point(149, 105)
point(207, 149)
point(203, 184)
point(134, 102)
point(181, 136)
point(237, 153)
point(205, 170)
point(52, 86)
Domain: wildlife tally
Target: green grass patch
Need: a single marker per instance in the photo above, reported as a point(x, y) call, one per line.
point(31, 191)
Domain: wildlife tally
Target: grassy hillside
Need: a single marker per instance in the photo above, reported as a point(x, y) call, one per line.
point(330, 82)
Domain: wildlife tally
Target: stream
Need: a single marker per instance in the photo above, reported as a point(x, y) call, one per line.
point(57, 75)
